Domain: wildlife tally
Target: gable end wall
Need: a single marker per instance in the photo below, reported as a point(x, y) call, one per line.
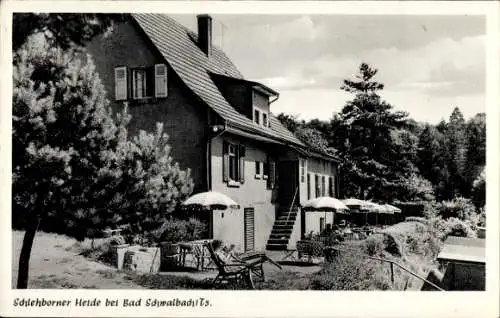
point(183, 116)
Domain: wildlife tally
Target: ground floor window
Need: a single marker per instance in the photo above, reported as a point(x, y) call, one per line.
point(233, 162)
point(308, 186)
point(323, 186)
point(317, 186)
point(330, 187)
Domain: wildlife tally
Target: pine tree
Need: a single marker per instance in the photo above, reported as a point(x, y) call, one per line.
point(457, 152)
point(60, 127)
point(151, 184)
point(431, 160)
point(476, 147)
point(64, 30)
point(75, 168)
point(365, 142)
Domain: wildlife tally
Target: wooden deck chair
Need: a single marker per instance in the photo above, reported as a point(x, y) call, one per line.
point(230, 273)
point(255, 263)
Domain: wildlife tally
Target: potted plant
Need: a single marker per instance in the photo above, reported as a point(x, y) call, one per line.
point(118, 249)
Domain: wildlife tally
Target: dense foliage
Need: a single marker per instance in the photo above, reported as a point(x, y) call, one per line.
point(75, 169)
point(388, 156)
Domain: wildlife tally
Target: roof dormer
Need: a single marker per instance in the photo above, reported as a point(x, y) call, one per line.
point(249, 98)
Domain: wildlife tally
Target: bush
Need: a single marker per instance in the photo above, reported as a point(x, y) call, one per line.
point(417, 219)
point(176, 230)
point(350, 271)
point(374, 244)
point(451, 226)
point(481, 217)
point(377, 244)
point(460, 208)
point(98, 250)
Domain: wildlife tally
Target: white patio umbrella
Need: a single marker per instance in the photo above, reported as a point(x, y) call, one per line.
point(361, 206)
point(378, 209)
point(326, 204)
point(389, 209)
point(393, 208)
point(210, 200)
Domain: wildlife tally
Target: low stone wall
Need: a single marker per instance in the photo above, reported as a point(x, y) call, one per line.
point(118, 254)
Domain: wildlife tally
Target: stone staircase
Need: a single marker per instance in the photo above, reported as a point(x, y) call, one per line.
point(282, 229)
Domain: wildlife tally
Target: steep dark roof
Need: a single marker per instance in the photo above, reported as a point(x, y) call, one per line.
point(178, 46)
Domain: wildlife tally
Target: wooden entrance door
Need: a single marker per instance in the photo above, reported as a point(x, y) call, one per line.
point(249, 228)
point(288, 172)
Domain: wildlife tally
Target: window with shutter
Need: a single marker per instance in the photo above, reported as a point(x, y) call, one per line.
point(161, 85)
point(256, 116)
point(241, 170)
point(323, 189)
point(258, 170)
point(142, 82)
point(330, 187)
point(316, 185)
point(233, 164)
point(308, 186)
point(121, 83)
point(266, 170)
point(273, 175)
point(302, 170)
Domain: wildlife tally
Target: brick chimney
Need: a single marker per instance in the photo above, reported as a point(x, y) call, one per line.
point(205, 33)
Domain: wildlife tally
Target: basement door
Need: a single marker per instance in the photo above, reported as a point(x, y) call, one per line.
point(249, 228)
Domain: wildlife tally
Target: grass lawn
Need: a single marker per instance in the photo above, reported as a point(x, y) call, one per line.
point(56, 262)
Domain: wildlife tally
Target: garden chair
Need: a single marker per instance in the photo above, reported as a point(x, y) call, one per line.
point(233, 273)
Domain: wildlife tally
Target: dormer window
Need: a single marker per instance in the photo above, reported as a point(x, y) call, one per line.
point(260, 117)
point(256, 116)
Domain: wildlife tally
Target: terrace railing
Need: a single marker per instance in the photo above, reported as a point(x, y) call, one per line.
point(392, 264)
point(292, 204)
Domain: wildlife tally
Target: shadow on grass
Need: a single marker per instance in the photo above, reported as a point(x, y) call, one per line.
point(162, 281)
point(298, 263)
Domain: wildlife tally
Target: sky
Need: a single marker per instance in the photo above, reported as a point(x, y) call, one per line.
point(429, 64)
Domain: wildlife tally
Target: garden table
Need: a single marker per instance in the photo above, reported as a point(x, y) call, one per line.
point(198, 250)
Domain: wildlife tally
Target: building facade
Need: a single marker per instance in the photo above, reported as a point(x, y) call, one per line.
point(219, 123)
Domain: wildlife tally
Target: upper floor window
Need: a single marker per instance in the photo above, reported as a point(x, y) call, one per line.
point(260, 117)
point(302, 170)
point(256, 116)
point(146, 82)
point(142, 83)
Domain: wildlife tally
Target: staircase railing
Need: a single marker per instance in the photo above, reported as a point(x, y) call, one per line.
point(392, 267)
point(293, 202)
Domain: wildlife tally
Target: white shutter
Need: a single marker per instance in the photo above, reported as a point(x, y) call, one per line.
point(121, 83)
point(161, 89)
